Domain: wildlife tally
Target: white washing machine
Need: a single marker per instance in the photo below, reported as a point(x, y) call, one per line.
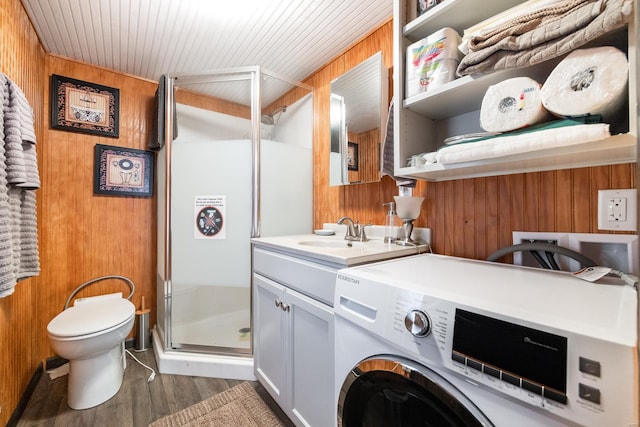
point(431, 340)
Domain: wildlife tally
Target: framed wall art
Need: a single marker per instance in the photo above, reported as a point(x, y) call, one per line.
point(120, 171)
point(78, 106)
point(352, 156)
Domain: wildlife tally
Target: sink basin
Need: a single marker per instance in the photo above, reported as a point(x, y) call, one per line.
point(335, 249)
point(339, 244)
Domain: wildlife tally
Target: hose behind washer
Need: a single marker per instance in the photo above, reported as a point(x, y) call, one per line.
point(549, 249)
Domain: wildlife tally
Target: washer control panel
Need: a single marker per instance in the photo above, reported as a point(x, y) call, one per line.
point(556, 371)
point(553, 370)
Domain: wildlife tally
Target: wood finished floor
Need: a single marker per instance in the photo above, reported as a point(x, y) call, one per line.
point(137, 404)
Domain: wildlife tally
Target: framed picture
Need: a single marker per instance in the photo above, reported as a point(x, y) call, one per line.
point(352, 156)
point(78, 106)
point(122, 171)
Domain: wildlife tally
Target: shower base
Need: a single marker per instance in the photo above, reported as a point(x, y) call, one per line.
point(230, 330)
point(200, 364)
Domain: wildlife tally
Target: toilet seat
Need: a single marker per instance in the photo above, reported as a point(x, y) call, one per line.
point(91, 317)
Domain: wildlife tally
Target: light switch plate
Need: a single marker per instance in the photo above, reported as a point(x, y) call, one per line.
point(617, 210)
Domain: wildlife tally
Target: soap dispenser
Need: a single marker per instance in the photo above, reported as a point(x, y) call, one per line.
point(390, 223)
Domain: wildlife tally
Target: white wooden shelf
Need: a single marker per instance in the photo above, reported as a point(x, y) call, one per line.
point(464, 94)
point(456, 14)
point(617, 149)
point(421, 122)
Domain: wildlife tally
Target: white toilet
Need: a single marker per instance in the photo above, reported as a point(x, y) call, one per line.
point(91, 336)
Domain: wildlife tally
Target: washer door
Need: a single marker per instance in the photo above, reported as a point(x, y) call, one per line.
point(390, 391)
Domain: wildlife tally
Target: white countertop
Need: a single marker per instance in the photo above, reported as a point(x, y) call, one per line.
point(336, 250)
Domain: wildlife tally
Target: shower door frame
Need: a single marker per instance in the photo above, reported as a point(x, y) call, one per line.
point(254, 74)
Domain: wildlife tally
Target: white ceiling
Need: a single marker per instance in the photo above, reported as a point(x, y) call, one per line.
point(148, 38)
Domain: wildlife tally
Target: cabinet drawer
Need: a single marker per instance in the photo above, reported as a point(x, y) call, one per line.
point(314, 280)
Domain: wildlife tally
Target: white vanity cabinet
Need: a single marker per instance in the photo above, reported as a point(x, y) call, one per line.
point(423, 121)
point(294, 280)
point(293, 335)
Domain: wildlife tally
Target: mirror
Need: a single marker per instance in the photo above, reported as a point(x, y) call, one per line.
point(359, 103)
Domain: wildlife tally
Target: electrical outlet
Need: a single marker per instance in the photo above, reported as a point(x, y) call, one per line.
point(617, 210)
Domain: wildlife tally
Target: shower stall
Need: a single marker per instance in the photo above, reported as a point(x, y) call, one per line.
point(235, 164)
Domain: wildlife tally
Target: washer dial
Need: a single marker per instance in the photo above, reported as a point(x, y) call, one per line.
point(417, 322)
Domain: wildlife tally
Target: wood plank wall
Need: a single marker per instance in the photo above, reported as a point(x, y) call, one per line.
point(86, 236)
point(81, 236)
point(358, 201)
point(368, 156)
point(213, 104)
point(22, 59)
point(469, 218)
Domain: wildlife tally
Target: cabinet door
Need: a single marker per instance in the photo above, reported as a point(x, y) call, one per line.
point(311, 326)
point(270, 353)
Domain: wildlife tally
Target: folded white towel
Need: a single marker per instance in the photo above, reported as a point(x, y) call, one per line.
point(430, 158)
point(523, 143)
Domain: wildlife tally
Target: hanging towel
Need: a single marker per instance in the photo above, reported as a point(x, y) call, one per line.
point(388, 154)
point(19, 178)
point(20, 139)
point(157, 136)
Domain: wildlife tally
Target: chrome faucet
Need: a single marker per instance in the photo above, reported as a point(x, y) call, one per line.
point(359, 228)
point(355, 231)
point(351, 232)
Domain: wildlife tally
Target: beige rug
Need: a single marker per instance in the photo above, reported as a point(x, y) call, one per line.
point(239, 406)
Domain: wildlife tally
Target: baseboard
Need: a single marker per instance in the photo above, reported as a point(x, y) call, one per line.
point(22, 405)
point(201, 364)
point(54, 362)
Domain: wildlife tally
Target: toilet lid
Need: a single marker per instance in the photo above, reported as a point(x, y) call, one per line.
point(91, 317)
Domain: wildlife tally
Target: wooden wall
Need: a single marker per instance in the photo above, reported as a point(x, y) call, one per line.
point(86, 236)
point(368, 143)
point(469, 218)
point(473, 218)
point(22, 60)
point(360, 201)
point(81, 236)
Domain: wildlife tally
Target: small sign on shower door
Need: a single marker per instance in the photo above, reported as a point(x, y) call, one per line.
point(209, 212)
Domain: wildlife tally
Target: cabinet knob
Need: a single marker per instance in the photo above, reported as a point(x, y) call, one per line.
point(278, 303)
point(285, 307)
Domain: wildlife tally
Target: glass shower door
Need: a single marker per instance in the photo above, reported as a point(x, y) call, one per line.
point(223, 185)
point(211, 217)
